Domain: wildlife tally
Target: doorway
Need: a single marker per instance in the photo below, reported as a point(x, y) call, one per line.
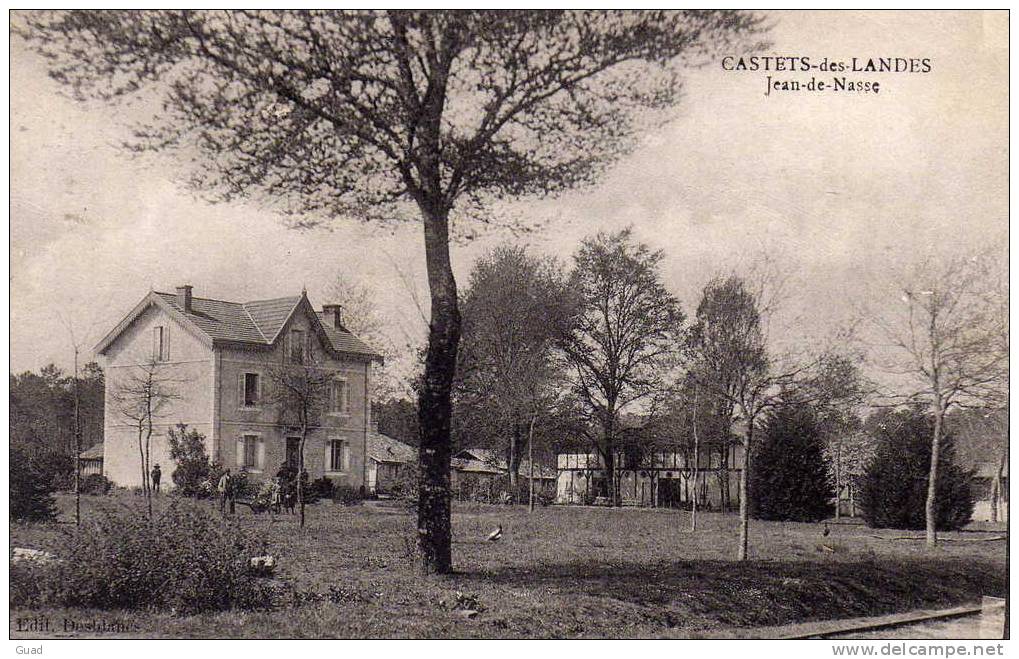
point(294, 453)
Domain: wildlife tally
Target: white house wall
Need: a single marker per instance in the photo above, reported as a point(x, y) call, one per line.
point(190, 366)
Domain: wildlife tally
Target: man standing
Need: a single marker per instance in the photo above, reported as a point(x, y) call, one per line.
point(156, 475)
point(225, 489)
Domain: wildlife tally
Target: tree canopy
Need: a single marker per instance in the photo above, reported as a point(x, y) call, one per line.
point(624, 343)
point(516, 309)
point(351, 112)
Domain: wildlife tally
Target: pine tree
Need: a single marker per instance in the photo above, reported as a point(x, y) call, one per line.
point(193, 467)
point(788, 478)
point(894, 488)
point(31, 491)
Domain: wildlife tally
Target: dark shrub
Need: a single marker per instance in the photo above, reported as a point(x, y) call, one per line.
point(404, 485)
point(54, 466)
point(185, 560)
point(95, 484)
point(31, 491)
point(194, 469)
point(347, 495)
point(242, 486)
point(788, 479)
point(894, 489)
point(321, 488)
point(544, 498)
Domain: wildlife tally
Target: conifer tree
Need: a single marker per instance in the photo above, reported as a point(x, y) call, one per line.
point(788, 475)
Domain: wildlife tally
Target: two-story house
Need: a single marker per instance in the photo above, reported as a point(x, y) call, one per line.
point(218, 358)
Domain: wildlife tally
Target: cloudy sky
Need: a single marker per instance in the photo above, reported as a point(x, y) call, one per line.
point(842, 189)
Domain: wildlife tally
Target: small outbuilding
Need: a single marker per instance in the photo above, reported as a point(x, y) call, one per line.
point(91, 460)
point(389, 461)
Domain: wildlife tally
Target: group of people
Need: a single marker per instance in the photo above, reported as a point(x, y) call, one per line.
point(279, 494)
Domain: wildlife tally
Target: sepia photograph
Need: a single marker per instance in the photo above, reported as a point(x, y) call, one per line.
point(509, 324)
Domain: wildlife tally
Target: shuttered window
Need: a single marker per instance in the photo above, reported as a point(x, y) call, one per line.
point(337, 455)
point(250, 453)
point(250, 390)
point(160, 344)
point(339, 397)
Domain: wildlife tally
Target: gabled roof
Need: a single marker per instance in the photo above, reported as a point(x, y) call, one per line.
point(383, 448)
point(489, 461)
point(256, 323)
point(92, 453)
point(486, 455)
point(475, 466)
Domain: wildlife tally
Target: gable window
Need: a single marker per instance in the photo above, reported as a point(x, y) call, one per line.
point(296, 348)
point(160, 343)
point(250, 393)
point(339, 397)
point(338, 455)
point(250, 452)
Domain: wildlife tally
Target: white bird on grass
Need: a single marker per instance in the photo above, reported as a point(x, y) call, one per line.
point(496, 535)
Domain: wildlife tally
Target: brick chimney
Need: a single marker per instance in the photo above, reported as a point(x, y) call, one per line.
point(184, 297)
point(332, 315)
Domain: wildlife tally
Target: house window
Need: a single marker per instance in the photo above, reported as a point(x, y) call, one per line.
point(250, 394)
point(249, 452)
point(339, 397)
point(339, 455)
point(160, 344)
point(297, 346)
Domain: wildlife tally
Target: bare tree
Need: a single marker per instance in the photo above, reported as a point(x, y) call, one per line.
point(947, 343)
point(847, 450)
point(626, 338)
point(730, 365)
point(376, 115)
point(361, 317)
point(730, 362)
point(142, 396)
point(76, 344)
point(299, 388)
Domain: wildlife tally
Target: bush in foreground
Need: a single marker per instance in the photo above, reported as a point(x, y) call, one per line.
point(894, 490)
point(96, 484)
point(184, 561)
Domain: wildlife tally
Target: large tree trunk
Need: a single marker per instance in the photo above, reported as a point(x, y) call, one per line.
point(744, 499)
point(434, 406)
point(513, 460)
point(932, 479)
point(610, 460)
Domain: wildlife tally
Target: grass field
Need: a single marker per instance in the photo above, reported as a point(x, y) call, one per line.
point(565, 572)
